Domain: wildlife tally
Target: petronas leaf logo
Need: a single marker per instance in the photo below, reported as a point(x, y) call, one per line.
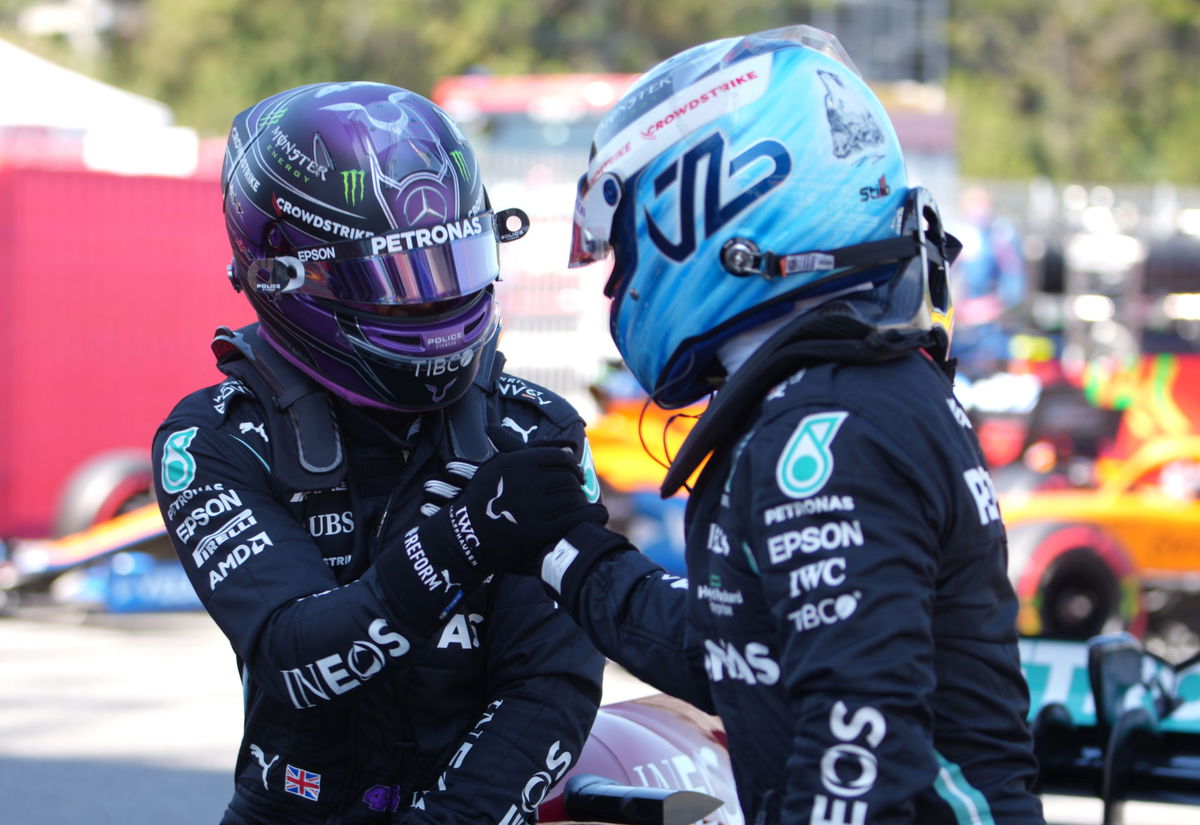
point(178, 466)
point(591, 481)
point(806, 462)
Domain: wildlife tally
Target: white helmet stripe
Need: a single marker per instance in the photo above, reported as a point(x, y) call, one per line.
point(685, 111)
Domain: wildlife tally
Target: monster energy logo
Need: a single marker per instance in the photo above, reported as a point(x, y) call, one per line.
point(461, 161)
point(352, 185)
point(271, 118)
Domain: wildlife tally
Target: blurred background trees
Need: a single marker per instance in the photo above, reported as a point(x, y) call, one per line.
point(1080, 89)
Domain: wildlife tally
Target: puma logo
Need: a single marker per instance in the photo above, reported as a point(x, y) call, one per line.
point(246, 427)
point(262, 760)
point(502, 513)
point(513, 425)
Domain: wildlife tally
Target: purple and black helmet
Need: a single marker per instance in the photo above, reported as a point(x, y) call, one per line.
point(363, 237)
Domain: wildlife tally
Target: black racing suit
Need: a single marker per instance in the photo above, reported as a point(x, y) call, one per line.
point(847, 611)
point(356, 711)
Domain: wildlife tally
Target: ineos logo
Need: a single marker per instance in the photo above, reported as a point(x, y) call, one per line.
point(848, 769)
point(717, 177)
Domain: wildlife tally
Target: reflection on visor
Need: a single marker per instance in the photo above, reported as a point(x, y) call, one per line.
point(410, 266)
point(595, 207)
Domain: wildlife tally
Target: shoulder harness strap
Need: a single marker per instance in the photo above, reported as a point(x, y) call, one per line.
point(313, 459)
point(468, 418)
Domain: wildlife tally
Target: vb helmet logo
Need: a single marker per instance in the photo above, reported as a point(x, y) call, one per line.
point(353, 185)
point(806, 462)
point(717, 178)
point(178, 466)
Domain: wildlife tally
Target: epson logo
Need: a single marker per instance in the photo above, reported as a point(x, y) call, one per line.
point(832, 535)
point(321, 253)
point(206, 512)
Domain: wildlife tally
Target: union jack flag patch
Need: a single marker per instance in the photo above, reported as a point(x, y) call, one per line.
point(302, 783)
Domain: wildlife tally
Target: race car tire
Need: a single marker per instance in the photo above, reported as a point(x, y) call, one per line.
point(107, 485)
point(1074, 581)
point(1080, 596)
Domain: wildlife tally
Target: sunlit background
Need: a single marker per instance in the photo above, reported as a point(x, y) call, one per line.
point(1059, 137)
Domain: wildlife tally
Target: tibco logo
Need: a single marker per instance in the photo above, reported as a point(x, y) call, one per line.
point(430, 367)
point(825, 612)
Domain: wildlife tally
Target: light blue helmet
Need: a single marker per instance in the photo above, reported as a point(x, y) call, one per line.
point(736, 182)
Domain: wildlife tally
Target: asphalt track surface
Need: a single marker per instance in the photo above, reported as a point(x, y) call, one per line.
point(135, 719)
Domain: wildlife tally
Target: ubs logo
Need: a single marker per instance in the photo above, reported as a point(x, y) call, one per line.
point(331, 524)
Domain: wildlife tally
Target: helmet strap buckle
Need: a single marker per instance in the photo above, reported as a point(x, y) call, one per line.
point(741, 257)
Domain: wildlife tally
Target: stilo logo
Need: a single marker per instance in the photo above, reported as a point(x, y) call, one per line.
point(353, 185)
point(704, 166)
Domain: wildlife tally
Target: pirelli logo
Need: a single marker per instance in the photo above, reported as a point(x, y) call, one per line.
point(208, 545)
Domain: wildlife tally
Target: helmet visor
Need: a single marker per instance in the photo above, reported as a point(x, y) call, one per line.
point(592, 224)
point(408, 266)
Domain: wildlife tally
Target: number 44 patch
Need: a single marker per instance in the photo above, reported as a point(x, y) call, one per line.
point(806, 463)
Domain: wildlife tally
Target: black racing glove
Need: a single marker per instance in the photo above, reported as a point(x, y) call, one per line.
point(567, 565)
point(517, 506)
